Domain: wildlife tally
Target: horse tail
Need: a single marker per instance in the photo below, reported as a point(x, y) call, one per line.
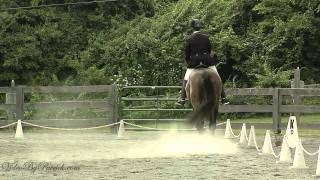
point(206, 107)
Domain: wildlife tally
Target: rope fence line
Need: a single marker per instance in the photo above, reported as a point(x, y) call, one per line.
point(285, 140)
point(69, 129)
point(307, 152)
point(238, 136)
point(242, 134)
point(252, 135)
point(274, 154)
point(254, 141)
point(246, 136)
point(96, 127)
point(255, 144)
point(156, 129)
point(8, 125)
point(219, 124)
point(257, 147)
point(160, 129)
point(301, 145)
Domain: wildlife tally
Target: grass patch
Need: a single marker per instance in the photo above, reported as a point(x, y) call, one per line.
point(304, 118)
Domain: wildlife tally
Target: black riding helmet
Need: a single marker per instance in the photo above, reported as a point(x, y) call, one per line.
point(196, 24)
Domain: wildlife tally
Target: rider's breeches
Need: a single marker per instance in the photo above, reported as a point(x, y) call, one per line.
point(189, 70)
point(186, 78)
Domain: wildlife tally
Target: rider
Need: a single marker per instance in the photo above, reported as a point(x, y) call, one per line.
point(198, 51)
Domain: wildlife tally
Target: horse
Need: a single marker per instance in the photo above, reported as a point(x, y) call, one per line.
point(204, 89)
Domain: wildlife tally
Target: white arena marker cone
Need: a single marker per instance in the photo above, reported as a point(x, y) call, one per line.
point(318, 164)
point(285, 153)
point(19, 132)
point(121, 129)
point(252, 138)
point(228, 132)
point(292, 132)
point(267, 145)
point(243, 135)
point(298, 160)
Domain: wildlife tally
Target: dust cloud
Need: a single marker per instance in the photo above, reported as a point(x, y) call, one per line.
point(95, 146)
point(177, 144)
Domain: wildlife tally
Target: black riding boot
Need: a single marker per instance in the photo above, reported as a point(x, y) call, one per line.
point(182, 99)
point(224, 99)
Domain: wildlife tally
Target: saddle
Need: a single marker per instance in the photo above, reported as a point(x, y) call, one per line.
point(201, 66)
point(201, 61)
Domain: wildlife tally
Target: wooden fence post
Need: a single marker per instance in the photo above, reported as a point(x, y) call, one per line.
point(276, 115)
point(115, 116)
point(19, 103)
point(296, 98)
point(11, 99)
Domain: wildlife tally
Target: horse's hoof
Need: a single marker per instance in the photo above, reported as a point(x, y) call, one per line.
point(212, 131)
point(278, 143)
point(200, 131)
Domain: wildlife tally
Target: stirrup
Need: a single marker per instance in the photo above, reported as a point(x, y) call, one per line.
point(224, 101)
point(181, 102)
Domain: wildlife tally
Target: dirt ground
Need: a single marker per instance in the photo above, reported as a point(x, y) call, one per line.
point(141, 155)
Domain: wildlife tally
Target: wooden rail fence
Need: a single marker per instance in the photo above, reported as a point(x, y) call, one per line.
point(110, 103)
point(17, 104)
point(276, 108)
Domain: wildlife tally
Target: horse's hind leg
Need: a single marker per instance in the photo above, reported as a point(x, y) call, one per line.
point(213, 121)
point(195, 96)
point(199, 122)
point(200, 125)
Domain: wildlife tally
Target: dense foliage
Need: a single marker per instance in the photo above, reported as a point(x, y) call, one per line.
point(141, 42)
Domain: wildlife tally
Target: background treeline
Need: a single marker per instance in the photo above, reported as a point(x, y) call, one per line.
point(141, 42)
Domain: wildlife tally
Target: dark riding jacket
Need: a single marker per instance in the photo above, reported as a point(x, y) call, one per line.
point(198, 49)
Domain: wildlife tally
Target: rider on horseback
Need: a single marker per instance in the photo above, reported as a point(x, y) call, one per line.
point(198, 52)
